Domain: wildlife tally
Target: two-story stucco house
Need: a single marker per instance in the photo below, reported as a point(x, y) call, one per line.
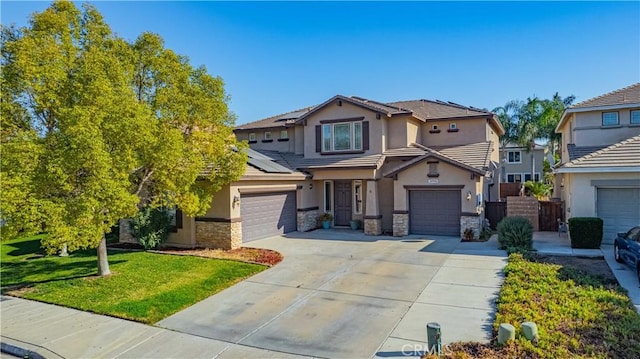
point(600, 163)
point(420, 167)
point(517, 163)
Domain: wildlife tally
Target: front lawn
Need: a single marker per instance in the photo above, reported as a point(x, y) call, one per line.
point(144, 286)
point(578, 314)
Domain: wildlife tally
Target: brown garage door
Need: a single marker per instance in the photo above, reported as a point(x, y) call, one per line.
point(267, 214)
point(434, 212)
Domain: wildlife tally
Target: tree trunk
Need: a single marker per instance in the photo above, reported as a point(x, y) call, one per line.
point(103, 262)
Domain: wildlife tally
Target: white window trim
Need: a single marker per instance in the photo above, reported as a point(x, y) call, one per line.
point(252, 136)
point(269, 135)
point(324, 197)
point(286, 134)
point(522, 176)
point(514, 180)
point(514, 151)
point(352, 138)
point(357, 195)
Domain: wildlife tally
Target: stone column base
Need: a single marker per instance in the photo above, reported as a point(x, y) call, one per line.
point(400, 224)
point(307, 220)
point(219, 235)
point(472, 222)
point(373, 227)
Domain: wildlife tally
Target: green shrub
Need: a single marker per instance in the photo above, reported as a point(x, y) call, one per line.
point(515, 232)
point(585, 232)
point(150, 227)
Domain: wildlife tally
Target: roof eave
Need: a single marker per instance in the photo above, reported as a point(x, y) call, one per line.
point(571, 110)
point(599, 169)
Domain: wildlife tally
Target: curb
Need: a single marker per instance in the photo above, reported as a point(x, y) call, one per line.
point(19, 352)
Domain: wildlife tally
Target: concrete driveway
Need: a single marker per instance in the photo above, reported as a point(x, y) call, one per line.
point(339, 293)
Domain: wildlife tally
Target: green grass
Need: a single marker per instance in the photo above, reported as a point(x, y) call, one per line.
point(145, 287)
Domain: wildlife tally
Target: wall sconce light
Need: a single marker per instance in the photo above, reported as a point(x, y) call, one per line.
point(236, 201)
point(469, 196)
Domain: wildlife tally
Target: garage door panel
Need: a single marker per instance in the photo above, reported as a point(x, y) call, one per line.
point(268, 214)
point(434, 212)
point(619, 208)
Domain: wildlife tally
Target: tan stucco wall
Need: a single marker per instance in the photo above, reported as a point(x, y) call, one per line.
point(414, 135)
point(298, 146)
point(220, 206)
point(588, 129)
point(469, 131)
point(449, 175)
point(377, 131)
point(185, 236)
point(580, 196)
point(397, 131)
point(330, 174)
point(275, 145)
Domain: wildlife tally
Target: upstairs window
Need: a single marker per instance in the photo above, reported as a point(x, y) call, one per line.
point(267, 135)
point(344, 136)
point(284, 134)
point(610, 119)
point(514, 177)
point(514, 157)
point(252, 137)
point(453, 126)
point(635, 117)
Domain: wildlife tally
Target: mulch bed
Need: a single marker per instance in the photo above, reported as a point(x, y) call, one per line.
point(245, 254)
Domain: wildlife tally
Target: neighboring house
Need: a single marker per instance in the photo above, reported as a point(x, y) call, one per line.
point(516, 163)
point(600, 163)
point(422, 167)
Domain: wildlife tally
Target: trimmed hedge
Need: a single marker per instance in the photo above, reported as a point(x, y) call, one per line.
point(585, 232)
point(515, 232)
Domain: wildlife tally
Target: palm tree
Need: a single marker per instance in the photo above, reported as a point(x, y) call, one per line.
point(528, 127)
point(508, 117)
point(550, 117)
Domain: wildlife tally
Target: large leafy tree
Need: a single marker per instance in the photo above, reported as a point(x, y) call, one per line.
point(94, 127)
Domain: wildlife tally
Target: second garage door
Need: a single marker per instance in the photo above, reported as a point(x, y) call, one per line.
point(267, 214)
point(619, 208)
point(434, 212)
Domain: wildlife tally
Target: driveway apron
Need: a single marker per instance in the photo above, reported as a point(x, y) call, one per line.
point(337, 293)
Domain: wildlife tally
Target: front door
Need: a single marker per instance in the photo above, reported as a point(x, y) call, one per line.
point(342, 200)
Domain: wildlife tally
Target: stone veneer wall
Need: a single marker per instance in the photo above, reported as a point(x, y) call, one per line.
point(524, 207)
point(222, 235)
point(373, 226)
point(400, 224)
point(124, 232)
point(473, 222)
point(307, 220)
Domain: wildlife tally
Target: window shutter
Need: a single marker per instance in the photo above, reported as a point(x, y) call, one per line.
point(318, 138)
point(365, 135)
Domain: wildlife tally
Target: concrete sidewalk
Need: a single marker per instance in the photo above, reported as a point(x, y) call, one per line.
point(57, 332)
point(624, 274)
point(558, 244)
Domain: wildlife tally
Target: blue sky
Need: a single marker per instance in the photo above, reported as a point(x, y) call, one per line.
point(280, 56)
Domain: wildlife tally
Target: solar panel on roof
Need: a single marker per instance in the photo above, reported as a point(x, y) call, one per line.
point(268, 166)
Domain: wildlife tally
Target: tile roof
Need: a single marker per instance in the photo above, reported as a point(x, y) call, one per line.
point(428, 110)
point(299, 162)
point(622, 154)
point(627, 95)
point(281, 120)
point(576, 152)
point(259, 164)
point(477, 155)
point(421, 109)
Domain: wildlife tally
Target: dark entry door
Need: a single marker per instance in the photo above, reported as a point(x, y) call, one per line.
point(342, 200)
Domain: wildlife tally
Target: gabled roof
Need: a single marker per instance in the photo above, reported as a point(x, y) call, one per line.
point(627, 97)
point(481, 162)
point(423, 110)
point(264, 167)
point(623, 156)
point(374, 106)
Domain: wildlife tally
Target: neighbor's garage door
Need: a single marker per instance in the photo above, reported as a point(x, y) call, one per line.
point(267, 214)
point(620, 210)
point(434, 212)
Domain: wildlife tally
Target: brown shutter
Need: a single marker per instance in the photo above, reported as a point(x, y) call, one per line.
point(178, 218)
point(318, 138)
point(365, 135)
